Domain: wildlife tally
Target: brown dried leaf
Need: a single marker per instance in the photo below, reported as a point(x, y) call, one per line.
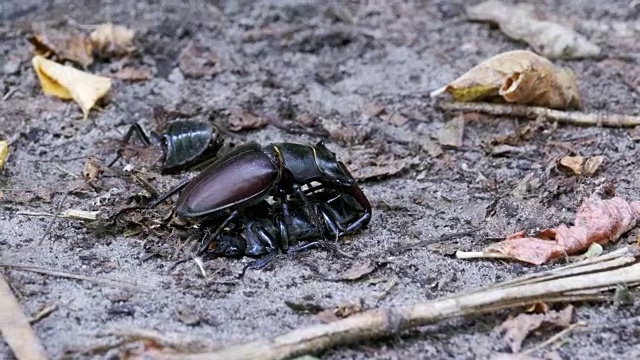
point(196, 61)
point(92, 169)
point(597, 221)
point(579, 165)
point(452, 133)
point(373, 109)
point(358, 270)
point(547, 38)
point(65, 46)
point(244, 120)
point(133, 74)
point(340, 311)
point(518, 328)
point(519, 77)
point(112, 40)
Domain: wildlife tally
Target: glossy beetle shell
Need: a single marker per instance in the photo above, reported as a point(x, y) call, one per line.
point(241, 178)
point(186, 141)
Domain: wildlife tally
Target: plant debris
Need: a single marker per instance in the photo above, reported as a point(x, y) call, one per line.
point(15, 327)
point(129, 73)
point(4, 152)
point(452, 133)
point(597, 221)
point(547, 38)
point(520, 77)
point(340, 311)
point(580, 165)
point(245, 120)
point(517, 328)
point(196, 61)
point(68, 83)
point(110, 40)
point(64, 46)
point(304, 307)
point(358, 270)
point(92, 170)
point(535, 112)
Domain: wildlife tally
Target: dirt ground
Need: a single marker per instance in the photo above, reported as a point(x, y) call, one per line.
point(326, 67)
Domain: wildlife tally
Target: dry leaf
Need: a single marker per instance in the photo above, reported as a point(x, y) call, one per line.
point(547, 38)
point(358, 270)
point(4, 152)
point(112, 40)
point(65, 46)
point(395, 119)
point(133, 74)
point(196, 61)
point(597, 221)
point(92, 169)
point(68, 83)
point(452, 132)
point(579, 165)
point(519, 77)
point(245, 120)
point(340, 311)
point(518, 328)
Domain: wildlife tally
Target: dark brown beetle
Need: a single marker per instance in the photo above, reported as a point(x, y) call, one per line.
point(251, 173)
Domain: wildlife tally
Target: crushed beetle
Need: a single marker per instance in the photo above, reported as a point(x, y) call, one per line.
point(261, 231)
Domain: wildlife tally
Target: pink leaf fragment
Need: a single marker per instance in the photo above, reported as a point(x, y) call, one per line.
point(597, 221)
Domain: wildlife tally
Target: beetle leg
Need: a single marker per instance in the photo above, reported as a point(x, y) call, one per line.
point(363, 221)
point(215, 234)
point(134, 129)
point(284, 233)
point(333, 226)
point(260, 263)
point(315, 217)
point(168, 194)
point(303, 247)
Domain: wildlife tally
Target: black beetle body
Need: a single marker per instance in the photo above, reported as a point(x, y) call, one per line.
point(185, 143)
point(261, 235)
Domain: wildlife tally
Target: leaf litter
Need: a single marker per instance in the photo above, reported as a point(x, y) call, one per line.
point(518, 77)
point(580, 165)
point(597, 221)
point(516, 329)
point(69, 83)
point(519, 22)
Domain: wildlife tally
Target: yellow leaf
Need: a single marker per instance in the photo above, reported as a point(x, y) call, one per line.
point(520, 77)
point(4, 152)
point(68, 83)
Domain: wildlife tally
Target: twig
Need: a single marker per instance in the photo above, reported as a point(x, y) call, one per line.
point(393, 282)
point(442, 238)
point(64, 274)
point(533, 112)
point(622, 266)
point(555, 337)
point(59, 167)
point(55, 217)
point(43, 314)
point(15, 327)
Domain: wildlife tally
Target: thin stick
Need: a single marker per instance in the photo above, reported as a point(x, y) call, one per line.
point(43, 314)
point(59, 167)
point(533, 112)
point(555, 337)
point(55, 217)
point(64, 274)
point(15, 327)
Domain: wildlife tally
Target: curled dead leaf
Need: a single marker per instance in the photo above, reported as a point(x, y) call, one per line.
point(112, 40)
point(68, 83)
point(547, 38)
point(597, 221)
point(579, 165)
point(92, 169)
point(64, 45)
point(520, 77)
point(4, 152)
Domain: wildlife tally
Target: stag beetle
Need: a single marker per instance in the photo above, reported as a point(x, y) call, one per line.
point(251, 173)
point(185, 143)
point(257, 235)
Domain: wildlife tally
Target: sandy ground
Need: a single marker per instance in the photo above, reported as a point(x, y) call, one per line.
point(393, 54)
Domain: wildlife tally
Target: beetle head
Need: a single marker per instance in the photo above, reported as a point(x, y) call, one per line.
point(333, 170)
point(230, 246)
